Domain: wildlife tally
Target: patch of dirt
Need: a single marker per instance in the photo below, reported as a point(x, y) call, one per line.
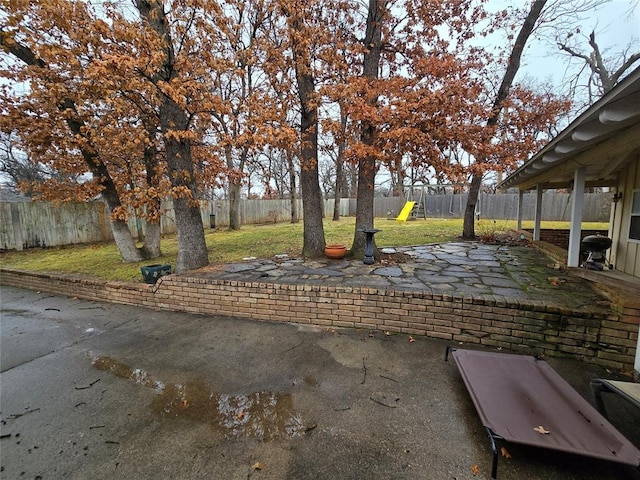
point(394, 258)
point(510, 237)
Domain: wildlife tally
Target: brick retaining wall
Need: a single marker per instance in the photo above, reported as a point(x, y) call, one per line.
point(560, 237)
point(600, 337)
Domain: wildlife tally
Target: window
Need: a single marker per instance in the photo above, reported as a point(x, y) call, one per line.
point(634, 227)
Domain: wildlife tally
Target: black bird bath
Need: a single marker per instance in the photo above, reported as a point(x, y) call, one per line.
point(368, 246)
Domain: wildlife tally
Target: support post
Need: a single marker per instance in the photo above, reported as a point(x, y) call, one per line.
point(577, 206)
point(636, 364)
point(520, 208)
point(537, 219)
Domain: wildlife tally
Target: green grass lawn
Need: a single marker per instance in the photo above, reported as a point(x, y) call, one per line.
point(261, 241)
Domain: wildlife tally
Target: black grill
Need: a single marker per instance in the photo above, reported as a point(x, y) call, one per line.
point(593, 248)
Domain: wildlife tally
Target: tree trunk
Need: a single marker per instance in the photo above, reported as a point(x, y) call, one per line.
point(121, 234)
point(312, 211)
point(468, 227)
point(513, 64)
point(367, 165)
point(364, 206)
point(339, 168)
point(151, 247)
point(313, 246)
point(139, 229)
point(233, 191)
point(125, 242)
point(397, 188)
point(293, 187)
point(353, 180)
point(234, 205)
point(338, 190)
point(192, 247)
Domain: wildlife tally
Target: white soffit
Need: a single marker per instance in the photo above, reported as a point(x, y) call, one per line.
point(593, 130)
point(615, 112)
point(620, 111)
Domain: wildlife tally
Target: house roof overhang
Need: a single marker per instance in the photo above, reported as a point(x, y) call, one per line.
point(602, 139)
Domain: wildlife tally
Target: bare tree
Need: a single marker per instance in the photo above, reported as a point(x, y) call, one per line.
point(599, 68)
point(602, 71)
point(16, 166)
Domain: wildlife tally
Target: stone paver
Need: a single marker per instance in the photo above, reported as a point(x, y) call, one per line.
point(458, 268)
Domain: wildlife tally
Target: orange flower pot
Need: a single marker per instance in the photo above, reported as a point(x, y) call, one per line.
point(335, 251)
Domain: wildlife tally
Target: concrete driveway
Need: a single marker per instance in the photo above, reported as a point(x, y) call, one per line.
point(101, 391)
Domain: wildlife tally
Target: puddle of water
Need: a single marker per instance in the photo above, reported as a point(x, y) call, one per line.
point(137, 376)
point(264, 415)
point(311, 381)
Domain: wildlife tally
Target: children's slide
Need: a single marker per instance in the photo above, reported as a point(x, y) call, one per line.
point(406, 211)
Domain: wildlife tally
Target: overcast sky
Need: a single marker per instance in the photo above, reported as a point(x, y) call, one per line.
point(616, 24)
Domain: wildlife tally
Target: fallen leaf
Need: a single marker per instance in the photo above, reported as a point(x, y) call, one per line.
point(411, 339)
point(257, 466)
point(475, 469)
point(505, 453)
point(240, 415)
point(540, 429)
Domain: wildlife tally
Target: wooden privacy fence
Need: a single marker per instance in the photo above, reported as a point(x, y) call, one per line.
point(555, 206)
point(43, 224)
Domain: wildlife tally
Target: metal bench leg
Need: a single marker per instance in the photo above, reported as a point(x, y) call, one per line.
point(446, 353)
point(597, 387)
point(494, 449)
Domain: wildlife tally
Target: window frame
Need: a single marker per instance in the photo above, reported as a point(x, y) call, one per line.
point(633, 215)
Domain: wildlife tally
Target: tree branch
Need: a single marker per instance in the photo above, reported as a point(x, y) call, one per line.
point(624, 67)
point(573, 53)
point(600, 69)
point(514, 59)
point(22, 52)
